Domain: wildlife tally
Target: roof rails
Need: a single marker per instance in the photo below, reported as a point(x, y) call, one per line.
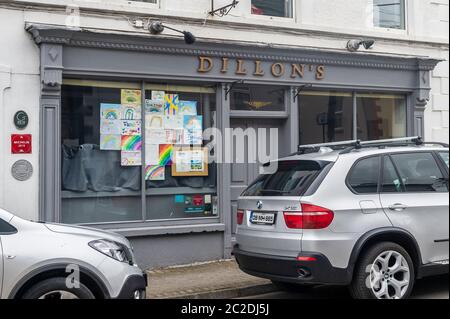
point(348, 146)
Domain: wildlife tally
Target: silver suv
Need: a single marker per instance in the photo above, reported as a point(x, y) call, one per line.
point(373, 216)
point(50, 261)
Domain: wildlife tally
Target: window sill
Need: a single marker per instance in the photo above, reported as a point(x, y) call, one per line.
point(169, 230)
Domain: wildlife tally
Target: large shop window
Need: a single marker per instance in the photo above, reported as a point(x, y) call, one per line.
point(381, 116)
point(325, 117)
point(129, 157)
point(329, 116)
point(273, 8)
point(389, 14)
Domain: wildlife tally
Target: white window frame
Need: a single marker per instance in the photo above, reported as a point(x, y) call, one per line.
point(393, 30)
point(273, 18)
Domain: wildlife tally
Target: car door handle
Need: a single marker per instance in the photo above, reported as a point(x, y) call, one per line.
point(398, 207)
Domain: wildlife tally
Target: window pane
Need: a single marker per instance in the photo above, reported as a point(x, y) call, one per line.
point(381, 116)
point(391, 180)
point(389, 14)
point(257, 98)
point(445, 157)
point(274, 8)
point(6, 228)
point(291, 179)
point(97, 185)
point(325, 117)
point(191, 183)
point(420, 173)
point(364, 177)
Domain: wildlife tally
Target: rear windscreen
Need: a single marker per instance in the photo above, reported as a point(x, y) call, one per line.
point(291, 179)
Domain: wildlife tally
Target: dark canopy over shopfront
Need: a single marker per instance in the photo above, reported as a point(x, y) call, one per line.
point(309, 95)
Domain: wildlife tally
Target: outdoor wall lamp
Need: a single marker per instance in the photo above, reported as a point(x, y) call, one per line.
point(157, 27)
point(354, 45)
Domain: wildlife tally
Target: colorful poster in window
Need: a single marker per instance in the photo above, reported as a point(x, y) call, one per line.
point(158, 95)
point(174, 137)
point(155, 136)
point(195, 204)
point(131, 97)
point(188, 108)
point(110, 142)
point(173, 122)
point(131, 143)
point(131, 158)
point(154, 121)
point(165, 155)
point(131, 127)
point(154, 107)
point(151, 154)
point(193, 122)
point(193, 137)
point(110, 111)
point(155, 173)
point(190, 162)
point(172, 104)
point(131, 112)
point(110, 127)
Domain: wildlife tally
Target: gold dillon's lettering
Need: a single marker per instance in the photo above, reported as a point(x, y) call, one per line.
point(206, 64)
point(320, 72)
point(278, 69)
point(224, 65)
point(298, 70)
point(240, 69)
point(258, 70)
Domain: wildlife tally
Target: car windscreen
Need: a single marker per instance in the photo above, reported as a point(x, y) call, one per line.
point(292, 178)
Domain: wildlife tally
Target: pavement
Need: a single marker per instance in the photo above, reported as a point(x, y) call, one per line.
point(224, 280)
point(214, 280)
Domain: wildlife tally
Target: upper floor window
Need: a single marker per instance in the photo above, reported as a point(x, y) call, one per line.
point(273, 8)
point(389, 14)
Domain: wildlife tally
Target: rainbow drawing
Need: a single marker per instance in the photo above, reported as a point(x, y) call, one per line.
point(165, 154)
point(111, 111)
point(109, 142)
point(155, 173)
point(171, 105)
point(131, 143)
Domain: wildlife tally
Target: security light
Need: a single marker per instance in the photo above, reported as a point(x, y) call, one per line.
point(157, 27)
point(354, 45)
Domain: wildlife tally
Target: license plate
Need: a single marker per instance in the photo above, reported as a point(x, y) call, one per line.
point(262, 218)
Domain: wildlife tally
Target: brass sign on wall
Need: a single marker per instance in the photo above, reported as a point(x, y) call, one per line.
point(258, 69)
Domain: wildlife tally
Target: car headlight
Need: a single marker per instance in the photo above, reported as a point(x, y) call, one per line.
point(112, 249)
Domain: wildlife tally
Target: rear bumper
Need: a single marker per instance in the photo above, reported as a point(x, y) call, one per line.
point(288, 269)
point(134, 287)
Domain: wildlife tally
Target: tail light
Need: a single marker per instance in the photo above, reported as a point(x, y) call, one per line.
point(240, 216)
point(311, 217)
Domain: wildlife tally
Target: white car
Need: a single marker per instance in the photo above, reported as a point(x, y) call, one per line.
point(51, 261)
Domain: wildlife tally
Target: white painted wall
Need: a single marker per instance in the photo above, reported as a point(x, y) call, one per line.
point(320, 24)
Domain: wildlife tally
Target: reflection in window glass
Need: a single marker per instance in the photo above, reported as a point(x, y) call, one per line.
point(96, 187)
point(391, 180)
point(389, 14)
point(364, 177)
point(257, 98)
point(325, 117)
point(273, 8)
point(420, 173)
point(381, 116)
point(445, 157)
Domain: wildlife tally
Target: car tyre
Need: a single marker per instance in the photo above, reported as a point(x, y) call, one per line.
point(56, 288)
point(290, 287)
point(382, 273)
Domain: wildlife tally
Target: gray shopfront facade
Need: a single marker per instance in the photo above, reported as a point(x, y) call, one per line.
point(219, 76)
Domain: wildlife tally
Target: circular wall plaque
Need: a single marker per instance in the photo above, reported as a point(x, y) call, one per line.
point(21, 120)
point(22, 170)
